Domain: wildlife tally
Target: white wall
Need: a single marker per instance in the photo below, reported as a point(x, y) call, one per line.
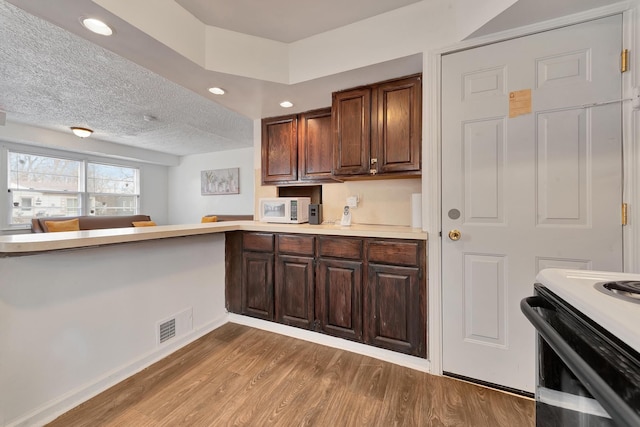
point(383, 202)
point(395, 34)
point(187, 205)
point(154, 199)
point(75, 322)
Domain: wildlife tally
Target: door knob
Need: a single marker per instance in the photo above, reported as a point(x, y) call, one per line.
point(455, 235)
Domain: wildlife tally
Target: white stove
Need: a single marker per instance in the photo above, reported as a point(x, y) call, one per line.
point(581, 289)
point(588, 348)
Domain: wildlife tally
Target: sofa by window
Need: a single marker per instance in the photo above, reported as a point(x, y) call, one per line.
point(38, 225)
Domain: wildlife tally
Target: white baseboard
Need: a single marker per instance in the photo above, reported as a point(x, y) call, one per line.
point(315, 337)
point(53, 409)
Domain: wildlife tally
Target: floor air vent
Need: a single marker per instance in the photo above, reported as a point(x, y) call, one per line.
point(174, 326)
point(167, 330)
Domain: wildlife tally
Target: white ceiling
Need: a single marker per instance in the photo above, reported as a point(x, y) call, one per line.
point(285, 20)
point(531, 11)
point(54, 74)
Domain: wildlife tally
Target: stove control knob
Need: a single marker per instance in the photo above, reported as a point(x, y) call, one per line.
point(455, 235)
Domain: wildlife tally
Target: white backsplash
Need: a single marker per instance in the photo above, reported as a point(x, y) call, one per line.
point(382, 201)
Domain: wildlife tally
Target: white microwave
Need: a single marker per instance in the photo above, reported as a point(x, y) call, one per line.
point(292, 210)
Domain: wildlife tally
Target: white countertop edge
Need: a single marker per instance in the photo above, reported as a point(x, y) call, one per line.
point(42, 242)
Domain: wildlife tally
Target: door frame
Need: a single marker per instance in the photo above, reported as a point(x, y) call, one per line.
point(432, 137)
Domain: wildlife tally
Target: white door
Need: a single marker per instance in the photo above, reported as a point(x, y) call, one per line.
point(538, 190)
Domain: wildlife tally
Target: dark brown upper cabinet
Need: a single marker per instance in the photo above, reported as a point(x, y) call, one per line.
point(314, 145)
point(377, 129)
point(297, 148)
point(352, 131)
point(279, 149)
point(397, 132)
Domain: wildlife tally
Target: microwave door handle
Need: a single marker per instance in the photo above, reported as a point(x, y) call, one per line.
point(617, 408)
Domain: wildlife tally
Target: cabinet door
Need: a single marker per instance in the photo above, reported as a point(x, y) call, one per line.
point(339, 298)
point(394, 309)
point(257, 284)
point(351, 132)
point(279, 150)
point(397, 128)
point(294, 297)
point(315, 149)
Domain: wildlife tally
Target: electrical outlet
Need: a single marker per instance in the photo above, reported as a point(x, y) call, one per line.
point(352, 201)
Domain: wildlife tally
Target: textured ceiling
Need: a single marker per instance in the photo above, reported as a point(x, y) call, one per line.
point(285, 20)
point(55, 79)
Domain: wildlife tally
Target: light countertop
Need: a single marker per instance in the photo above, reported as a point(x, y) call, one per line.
point(21, 244)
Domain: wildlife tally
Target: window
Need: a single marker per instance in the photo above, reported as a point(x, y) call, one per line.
point(43, 186)
point(112, 190)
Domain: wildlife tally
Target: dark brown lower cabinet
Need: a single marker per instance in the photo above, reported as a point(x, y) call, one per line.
point(393, 309)
point(339, 298)
point(257, 284)
point(294, 293)
point(367, 290)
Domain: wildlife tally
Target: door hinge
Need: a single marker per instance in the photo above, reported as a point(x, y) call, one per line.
point(624, 214)
point(624, 61)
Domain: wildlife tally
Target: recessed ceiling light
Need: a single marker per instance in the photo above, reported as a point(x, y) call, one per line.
point(286, 104)
point(216, 90)
point(81, 132)
point(97, 26)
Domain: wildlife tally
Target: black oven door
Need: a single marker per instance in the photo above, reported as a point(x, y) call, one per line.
point(586, 377)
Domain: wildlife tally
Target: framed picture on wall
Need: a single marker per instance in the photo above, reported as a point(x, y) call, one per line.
point(220, 181)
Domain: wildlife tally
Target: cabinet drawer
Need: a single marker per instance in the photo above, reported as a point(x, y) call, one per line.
point(394, 252)
point(296, 244)
point(262, 242)
point(340, 247)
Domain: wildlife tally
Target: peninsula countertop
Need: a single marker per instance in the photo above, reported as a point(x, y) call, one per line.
point(23, 244)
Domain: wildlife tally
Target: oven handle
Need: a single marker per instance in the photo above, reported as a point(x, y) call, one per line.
point(616, 407)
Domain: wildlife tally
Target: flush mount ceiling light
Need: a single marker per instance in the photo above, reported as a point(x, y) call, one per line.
point(216, 90)
point(81, 132)
point(286, 104)
point(97, 26)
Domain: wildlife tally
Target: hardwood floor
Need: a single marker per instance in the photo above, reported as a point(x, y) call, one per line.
point(241, 376)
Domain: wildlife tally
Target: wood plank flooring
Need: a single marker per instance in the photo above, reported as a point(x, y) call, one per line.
point(240, 376)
